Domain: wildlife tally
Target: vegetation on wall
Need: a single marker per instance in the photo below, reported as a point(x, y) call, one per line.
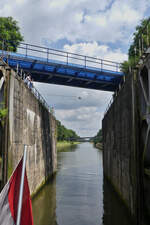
point(64, 134)
point(3, 113)
point(10, 35)
point(134, 50)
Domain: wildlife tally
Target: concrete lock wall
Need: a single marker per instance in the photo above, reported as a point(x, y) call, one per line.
point(30, 123)
point(120, 140)
point(126, 136)
point(143, 77)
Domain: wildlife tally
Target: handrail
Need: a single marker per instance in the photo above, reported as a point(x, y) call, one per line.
point(36, 93)
point(63, 56)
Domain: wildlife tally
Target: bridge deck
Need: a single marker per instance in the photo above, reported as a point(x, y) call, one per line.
point(63, 68)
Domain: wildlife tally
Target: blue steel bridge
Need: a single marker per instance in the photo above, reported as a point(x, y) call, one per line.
point(53, 66)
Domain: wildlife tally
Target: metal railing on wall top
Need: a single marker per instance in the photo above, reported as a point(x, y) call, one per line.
point(66, 58)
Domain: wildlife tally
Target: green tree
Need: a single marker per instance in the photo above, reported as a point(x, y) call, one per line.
point(141, 33)
point(10, 35)
point(63, 133)
point(99, 137)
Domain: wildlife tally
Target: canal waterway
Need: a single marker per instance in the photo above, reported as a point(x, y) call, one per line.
point(78, 194)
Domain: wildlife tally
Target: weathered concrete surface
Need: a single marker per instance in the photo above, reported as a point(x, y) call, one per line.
point(126, 132)
point(144, 114)
point(30, 123)
point(120, 154)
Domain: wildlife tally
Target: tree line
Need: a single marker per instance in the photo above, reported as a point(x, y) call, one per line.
point(98, 137)
point(64, 134)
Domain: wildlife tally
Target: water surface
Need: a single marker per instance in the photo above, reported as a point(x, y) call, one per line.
point(77, 194)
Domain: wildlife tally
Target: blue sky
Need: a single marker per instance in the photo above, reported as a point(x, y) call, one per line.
point(99, 28)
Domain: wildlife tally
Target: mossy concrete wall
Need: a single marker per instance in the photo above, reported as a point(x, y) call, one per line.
point(30, 123)
point(120, 145)
point(126, 136)
point(143, 90)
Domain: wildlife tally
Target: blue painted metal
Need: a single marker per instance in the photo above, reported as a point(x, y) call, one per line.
point(58, 67)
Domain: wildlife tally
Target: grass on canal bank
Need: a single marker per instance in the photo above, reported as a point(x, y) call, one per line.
point(63, 144)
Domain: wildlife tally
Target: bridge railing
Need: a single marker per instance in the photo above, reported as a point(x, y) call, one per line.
point(58, 56)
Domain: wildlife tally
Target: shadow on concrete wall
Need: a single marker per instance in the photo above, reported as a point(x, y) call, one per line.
point(46, 141)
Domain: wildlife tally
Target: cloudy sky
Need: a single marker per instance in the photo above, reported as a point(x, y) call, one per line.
point(99, 28)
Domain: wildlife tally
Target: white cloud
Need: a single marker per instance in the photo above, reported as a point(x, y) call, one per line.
point(82, 19)
point(96, 50)
point(86, 120)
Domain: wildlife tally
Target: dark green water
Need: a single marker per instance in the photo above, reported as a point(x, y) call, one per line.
point(77, 194)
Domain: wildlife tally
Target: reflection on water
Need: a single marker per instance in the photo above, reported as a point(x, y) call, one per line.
point(115, 213)
point(79, 187)
point(63, 153)
point(44, 205)
point(70, 148)
point(75, 195)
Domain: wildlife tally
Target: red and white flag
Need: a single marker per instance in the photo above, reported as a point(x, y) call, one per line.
point(9, 200)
